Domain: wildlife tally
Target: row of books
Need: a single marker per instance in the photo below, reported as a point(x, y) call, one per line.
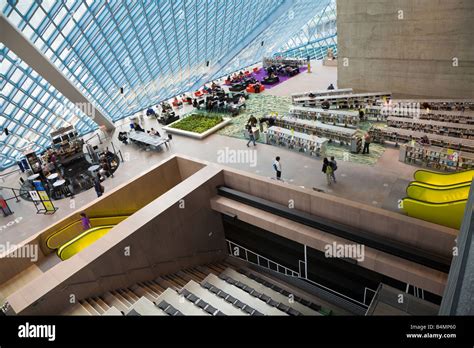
point(399, 135)
point(301, 99)
point(436, 157)
point(340, 134)
point(415, 111)
point(335, 117)
point(304, 143)
point(444, 128)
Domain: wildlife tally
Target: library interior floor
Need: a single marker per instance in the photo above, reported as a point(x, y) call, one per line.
point(290, 172)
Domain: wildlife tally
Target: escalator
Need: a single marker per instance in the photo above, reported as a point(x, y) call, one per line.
point(71, 239)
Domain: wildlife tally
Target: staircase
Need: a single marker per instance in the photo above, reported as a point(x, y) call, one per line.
point(217, 289)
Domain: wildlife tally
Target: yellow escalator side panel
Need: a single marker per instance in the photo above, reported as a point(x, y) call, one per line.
point(74, 229)
point(436, 187)
point(82, 241)
point(429, 195)
point(446, 214)
point(443, 179)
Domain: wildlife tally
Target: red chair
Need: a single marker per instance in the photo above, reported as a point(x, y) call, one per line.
point(197, 93)
point(251, 88)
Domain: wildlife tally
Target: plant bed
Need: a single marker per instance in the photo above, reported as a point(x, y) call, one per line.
point(197, 125)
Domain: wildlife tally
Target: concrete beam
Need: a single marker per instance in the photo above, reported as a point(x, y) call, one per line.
point(23, 48)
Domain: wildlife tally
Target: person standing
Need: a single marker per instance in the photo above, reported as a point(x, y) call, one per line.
point(277, 167)
point(367, 140)
point(86, 223)
point(327, 169)
point(251, 135)
point(99, 189)
point(333, 164)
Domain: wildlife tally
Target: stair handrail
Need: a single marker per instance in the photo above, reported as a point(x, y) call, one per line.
point(288, 271)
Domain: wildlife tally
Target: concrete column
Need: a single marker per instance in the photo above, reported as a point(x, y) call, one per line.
point(417, 48)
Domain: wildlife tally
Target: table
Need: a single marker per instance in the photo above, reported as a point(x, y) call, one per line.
point(147, 139)
point(59, 183)
point(60, 187)
point(33, 177)
point(52, 176)
point(94, 168)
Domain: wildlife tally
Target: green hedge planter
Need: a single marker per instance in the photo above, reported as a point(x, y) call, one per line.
point(197, 123)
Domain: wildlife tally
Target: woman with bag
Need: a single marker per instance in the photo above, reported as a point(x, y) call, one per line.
point(327, 169)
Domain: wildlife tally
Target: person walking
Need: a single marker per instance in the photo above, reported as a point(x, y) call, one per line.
point(333, 164)
point(367, 140)
point(277, 167)
point(86, 223)
point(327, 169)
point(251, 135)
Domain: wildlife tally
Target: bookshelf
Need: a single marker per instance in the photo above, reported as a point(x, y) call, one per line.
point(307, 98)
point(457, 130)
point(345, 136)
point(297, 141)
point(352, 101)
point(399, 135)
point(436, 157)
point(436, 104)
point(381, 112)
point(335, 117)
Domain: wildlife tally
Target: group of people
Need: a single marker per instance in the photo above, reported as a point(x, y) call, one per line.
point(329, 168)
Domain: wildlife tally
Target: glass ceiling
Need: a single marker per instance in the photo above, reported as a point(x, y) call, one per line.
point(314, 39)
point(152, 49)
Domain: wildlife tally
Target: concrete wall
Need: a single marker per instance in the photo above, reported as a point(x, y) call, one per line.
point(424, 235)
point(161, 238)
point(412, 56)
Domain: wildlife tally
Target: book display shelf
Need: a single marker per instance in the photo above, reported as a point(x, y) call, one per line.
point(353, 101)
point(335, 117)
point(381, 112)
point(436, 157)
point(308, 98)
point(435, 104)
point(457, 130)
point(399, 135)
point(297, 141)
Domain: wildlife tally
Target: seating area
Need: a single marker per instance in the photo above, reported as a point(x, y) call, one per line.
point(218, 289)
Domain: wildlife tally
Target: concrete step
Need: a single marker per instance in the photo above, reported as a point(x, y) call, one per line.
point(144, 291)
point(113, 311)
point(114, 301)
point(301, 296)
point(145, 307)
point(242, 296)
point(285, 301)
point(77, 309)
point(88, 307)
point(172, 298)
point(212, 299)
point(95, 305)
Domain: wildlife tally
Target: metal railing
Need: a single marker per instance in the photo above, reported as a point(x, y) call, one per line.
point(2, 176)
point(290, 272)
point(15, 195)
point(286, 271)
